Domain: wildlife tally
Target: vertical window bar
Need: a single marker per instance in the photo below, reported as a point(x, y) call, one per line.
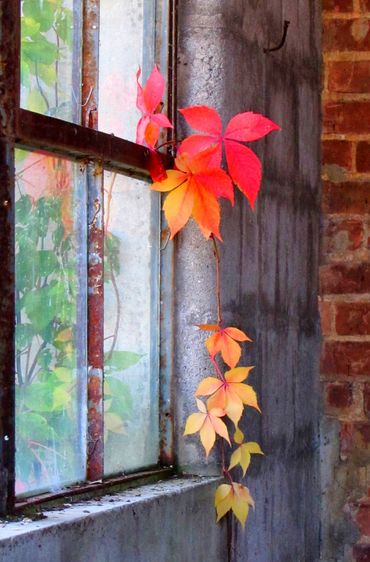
point(90, 66)
point(9, 102)
point(166, 45)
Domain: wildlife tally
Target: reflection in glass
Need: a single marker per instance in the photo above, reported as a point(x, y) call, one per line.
point(132, 215)
point(50, 322)
point(50, 57)
point(126, 43)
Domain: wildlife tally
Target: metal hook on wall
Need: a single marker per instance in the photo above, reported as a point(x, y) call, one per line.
point(283, 39)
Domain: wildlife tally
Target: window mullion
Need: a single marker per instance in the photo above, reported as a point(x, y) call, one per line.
point(9, 102)
point(95, 304)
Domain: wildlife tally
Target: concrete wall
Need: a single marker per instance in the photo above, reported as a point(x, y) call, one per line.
point(270, 258)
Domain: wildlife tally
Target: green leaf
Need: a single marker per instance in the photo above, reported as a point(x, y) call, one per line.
point(47, 262)
point(32, 426)
point(42, 11)
point(61, 398)
point(43, 305)
point(39, 50)
point(64, 26)
point(29, 27)
point(23, 335)
point(38, 397)
point(120, 360)
point(47, 73)
point(22, 209)
point(64, 374)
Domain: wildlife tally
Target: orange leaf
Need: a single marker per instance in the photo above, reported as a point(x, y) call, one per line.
point(230, 394)
point(208, 327)
point(208, 423)
point(178, 206)
point(224, 341)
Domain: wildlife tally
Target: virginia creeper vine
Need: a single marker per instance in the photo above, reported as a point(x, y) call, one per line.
point(193, 188)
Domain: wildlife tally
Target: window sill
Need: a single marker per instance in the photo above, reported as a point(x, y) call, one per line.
point(150, 518)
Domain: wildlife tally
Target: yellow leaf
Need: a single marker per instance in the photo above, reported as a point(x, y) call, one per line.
point(194, 423)
point(223, 500)
point(254, 448)
point(207, 435)
point(239, 374)
point(238, 436)
point(235, 458)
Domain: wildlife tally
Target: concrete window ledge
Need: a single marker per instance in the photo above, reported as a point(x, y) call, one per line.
point(170, 521)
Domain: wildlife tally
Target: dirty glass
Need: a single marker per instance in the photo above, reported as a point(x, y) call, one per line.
point(132, 215)
point(120, 56)
point(51, 57)
point(50, 234)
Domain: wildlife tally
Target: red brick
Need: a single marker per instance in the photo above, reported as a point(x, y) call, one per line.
point(365, 5)
point(338, 395)
point(337, 5)
point(345, 358)
point(341, 278)
point(349, 77)
point(352, 318)
point(367, 399)
point(363, 518)
point(325, 315)
point(361, 553)
point(363, 156)
point(347, 197)
point(346, 35)
point(343, 236)
point(347, 117)
point(337, 152)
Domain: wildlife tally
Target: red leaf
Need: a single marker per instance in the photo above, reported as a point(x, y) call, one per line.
point(244, 169)
point(148, 101)
point(217, 182)
point(249, 126)
point(199, 143)
point(153, 90)
point(206, 212)
point(155, 167)
point(243, 165)
point(203, 118)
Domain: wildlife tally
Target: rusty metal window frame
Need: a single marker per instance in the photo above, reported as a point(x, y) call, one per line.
point(24, 129)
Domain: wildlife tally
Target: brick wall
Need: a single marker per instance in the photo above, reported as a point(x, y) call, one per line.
point(345, 270)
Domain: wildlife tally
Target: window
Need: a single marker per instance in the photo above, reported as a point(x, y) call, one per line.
point(84, 316)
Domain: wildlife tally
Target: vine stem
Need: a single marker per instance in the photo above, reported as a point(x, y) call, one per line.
point(219, 373)
point(109, 200)
point(216, 253)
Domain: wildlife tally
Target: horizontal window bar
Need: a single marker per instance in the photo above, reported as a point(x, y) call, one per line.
point(67, 139)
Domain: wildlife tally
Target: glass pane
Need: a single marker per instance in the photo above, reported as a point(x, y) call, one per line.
point(132, 215)
point(127, 35)
point(51, 58)
point(50, 216)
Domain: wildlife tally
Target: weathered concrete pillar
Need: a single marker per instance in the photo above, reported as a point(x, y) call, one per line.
point(270, 257)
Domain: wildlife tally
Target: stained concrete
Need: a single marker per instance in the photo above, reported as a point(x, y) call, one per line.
point(166, 522)
point(270, 258)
